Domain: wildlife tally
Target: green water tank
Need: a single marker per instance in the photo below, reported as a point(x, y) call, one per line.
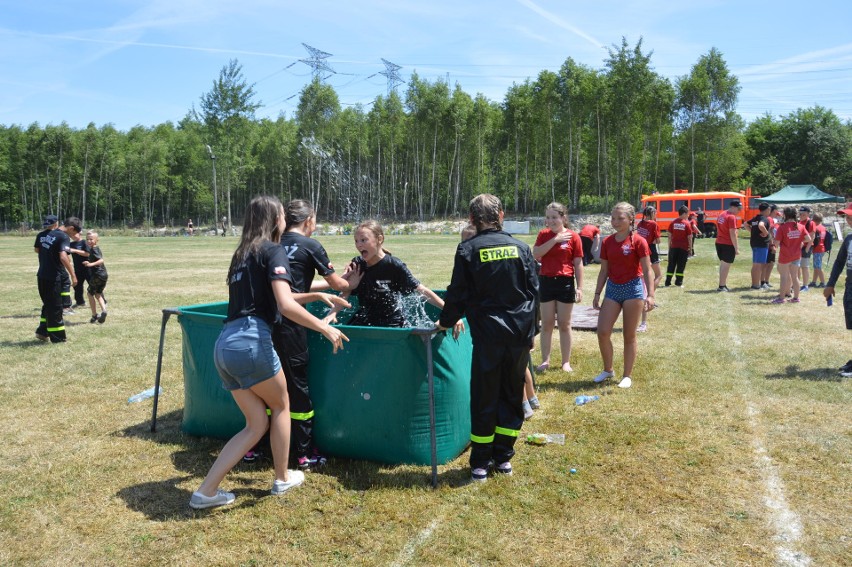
point(371, 400)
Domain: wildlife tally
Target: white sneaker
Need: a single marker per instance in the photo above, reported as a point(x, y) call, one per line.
point(603, 377)
point(280, 487)
point(528, 411)
point(642, 328)
point(626, 382)
point(201, 502)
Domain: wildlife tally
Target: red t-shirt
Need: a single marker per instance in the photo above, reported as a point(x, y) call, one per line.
point(559, 260)
point(623, 258)
point(819, 229)
point(649, 230)
point(694, 224)
point(590, 231)
point(726, 222)
point(789, 236)
point(680, 230)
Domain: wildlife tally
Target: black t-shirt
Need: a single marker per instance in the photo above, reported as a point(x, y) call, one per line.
point(757, 240)
point(250, 286)
point(307, 257)
point(379, 292)
point(50, 244)
point(100, 270)
point(79, 268)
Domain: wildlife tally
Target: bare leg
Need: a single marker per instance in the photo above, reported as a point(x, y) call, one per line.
point(767, 272)
point(92, 305)
point(794, 276)
point(724, 268)
point(610, 310)
point(529, 390)
point(632, 312)
point(274, 394)
point(254, 410)
point(548, 322)
point(563, 318)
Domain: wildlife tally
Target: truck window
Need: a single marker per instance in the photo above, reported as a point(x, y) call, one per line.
point(729, 199)
point(713, 205)
point(666, 206)
point(696, 204)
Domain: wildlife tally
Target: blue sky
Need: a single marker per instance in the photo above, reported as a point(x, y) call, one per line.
point(129, 62)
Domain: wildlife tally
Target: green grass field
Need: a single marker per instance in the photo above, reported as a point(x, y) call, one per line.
point(732, 448)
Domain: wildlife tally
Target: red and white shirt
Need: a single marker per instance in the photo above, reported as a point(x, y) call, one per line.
point(559, 260)
point(624, 258)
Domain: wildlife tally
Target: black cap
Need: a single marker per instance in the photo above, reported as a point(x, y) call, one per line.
point(804, 209)
point(736, 203)
point(50, 219)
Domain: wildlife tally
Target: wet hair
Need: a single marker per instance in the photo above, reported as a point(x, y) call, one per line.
point(763, 206)
point(817, 218)
point(376, 228)
point(680, 210)
point(485, 211)
point(627, 209)
point(650, 212)
point(790, 213)
point(468, 232)
point(561, 209)
point(298, 211)
point(74, 223)
point(260, 225)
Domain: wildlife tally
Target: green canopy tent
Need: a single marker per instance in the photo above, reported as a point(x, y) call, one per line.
point(795, 194)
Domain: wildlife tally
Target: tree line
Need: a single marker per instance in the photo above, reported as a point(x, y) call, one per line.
point(586, 137)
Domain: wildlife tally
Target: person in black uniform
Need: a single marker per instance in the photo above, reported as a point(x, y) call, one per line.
point(52, 245)
point(307, 258)
point(79, 253)
point(494, 284)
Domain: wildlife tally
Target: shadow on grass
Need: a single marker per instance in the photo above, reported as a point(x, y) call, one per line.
point(195, 455)
point(794, 372)
point(25, 343)
point(164, 501)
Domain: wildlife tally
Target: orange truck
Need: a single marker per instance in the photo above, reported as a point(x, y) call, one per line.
point(711, 202)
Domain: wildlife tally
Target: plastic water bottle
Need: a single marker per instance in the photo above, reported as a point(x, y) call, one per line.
point(144, 395)
point(583, 400)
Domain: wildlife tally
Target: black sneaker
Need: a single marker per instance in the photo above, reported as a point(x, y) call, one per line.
point(93, 319)
point(103, 316)
point(722, 288)
point(846, 367)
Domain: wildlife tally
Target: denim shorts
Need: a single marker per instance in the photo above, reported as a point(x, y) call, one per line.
point(244, 355)
point(806, 261)
point(818, 260)
point(634, 289)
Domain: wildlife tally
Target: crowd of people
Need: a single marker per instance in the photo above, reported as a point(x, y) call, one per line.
point(505, 290)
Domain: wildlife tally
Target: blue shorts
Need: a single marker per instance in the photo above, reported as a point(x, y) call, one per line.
point(759, 255)
point(634, 289)
point(818, 260)
point(244, 355)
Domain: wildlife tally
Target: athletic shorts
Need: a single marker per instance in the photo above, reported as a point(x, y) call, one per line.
point(655, 254)
point(559, 288)
point(244, 355)
point(770, 257)
point(97, 285)
point(726, 252)
point(759, 255)
point(806, 261)
point(847, 304)
point(818, 260)
point(634, 289)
